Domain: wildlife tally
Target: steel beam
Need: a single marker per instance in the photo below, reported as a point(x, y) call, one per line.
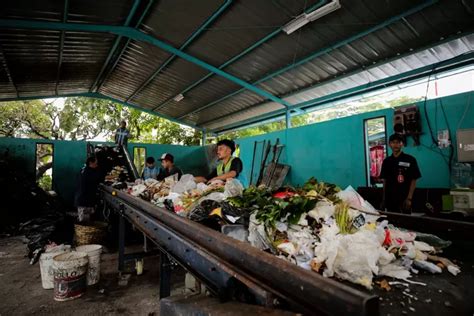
point(460, 61)
point(122, 51)
point(61, 45)
point(243, 53)
point(99, 96)
point(193, 36)
point(321, 52)
point(139, 36)
point(133, 9)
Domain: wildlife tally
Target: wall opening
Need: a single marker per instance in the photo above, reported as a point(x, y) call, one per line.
point(44, 166)
point(375, 139)
point(139, 156)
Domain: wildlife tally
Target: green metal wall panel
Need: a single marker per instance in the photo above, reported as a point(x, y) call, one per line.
point(69, 158)
point(333, 151)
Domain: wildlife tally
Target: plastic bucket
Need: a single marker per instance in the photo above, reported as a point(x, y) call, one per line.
point(70, 271)
point(93, 253)
point(46, 264)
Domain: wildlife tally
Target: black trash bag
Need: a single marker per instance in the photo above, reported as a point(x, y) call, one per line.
point(169, 205)
point(243, 214)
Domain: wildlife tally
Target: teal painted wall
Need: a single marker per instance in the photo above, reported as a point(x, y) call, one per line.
point(333, 151)
point(69, 157)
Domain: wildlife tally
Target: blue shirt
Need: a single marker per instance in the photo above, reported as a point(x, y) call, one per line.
point(150, 172)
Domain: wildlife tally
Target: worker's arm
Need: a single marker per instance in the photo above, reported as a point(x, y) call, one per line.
point(200, 179)
point(410, 194)
point(225, 176)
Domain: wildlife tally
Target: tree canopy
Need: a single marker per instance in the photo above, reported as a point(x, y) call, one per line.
point(86, 119)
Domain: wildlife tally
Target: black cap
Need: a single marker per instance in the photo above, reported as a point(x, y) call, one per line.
point(167, 156)
point(396, 136)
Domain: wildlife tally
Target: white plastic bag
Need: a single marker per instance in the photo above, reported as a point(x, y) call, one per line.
point(351, 197)
point(138, 189)
point(186, 183)
point(232, 188)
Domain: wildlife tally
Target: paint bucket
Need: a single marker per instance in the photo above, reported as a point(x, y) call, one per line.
point(46, 264)
point(93, 254)
point(70, 270)
point(93, 233)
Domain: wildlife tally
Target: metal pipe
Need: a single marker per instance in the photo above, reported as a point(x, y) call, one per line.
point(195, 34)
point(304, 287)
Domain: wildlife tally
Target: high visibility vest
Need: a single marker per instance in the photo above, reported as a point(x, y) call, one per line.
point(222, 169)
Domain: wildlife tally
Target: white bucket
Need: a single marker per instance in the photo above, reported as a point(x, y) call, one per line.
point(46, 264)
point(93, 252)
point(70, 279)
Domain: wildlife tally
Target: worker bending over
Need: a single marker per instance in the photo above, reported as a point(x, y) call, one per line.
point(150, 171)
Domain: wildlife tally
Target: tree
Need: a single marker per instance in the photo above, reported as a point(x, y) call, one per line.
point(85, 119)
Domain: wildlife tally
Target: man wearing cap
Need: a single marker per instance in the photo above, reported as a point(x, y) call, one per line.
point(168, 168)
point(228, 167)
point(399, 173)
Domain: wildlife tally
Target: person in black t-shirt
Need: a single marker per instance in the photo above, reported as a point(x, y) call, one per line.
point(228, 167)
point(399, 173)
point(168, 168)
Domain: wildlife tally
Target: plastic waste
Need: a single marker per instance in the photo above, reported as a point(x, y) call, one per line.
point(186, 183)
point(422, 246)
point(323, 209)
point(232, 188)
point(427, 266)
point(433, 240)
point(138, 189)
point(394, 270)
point(351, 197)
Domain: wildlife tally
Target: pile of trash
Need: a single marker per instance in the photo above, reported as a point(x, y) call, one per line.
point(185, 195)
point(339, 234)
point(318, 227)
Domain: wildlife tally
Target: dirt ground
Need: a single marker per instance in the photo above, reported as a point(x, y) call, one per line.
point(21, 292)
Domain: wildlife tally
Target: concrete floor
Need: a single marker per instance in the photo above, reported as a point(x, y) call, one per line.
point(21, 292)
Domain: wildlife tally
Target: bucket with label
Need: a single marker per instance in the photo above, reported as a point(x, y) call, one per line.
point(70, 275)
point(46, 264)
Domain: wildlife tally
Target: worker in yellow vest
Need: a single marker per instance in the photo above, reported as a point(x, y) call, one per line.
point(228, 167)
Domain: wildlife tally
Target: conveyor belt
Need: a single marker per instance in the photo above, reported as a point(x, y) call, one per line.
point(226, 265)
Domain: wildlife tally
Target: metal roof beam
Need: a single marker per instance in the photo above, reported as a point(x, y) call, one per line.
point(133, 9)
point(139, 36)
point(255, 45)
point(193, 36)
point(322, 52)
point(7, 70)
point(122, 51)
point(98, 96)
point(61, 45)
point(454, 63)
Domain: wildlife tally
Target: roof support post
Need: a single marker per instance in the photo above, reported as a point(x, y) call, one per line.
point(288, 119)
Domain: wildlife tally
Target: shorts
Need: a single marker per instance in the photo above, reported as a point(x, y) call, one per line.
point(84, 213)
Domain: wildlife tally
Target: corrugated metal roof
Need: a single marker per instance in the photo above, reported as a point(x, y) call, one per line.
point(243, 38)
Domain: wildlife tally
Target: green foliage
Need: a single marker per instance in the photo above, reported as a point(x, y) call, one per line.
point(45, 182)
point(322, 115)
point(86, 119)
